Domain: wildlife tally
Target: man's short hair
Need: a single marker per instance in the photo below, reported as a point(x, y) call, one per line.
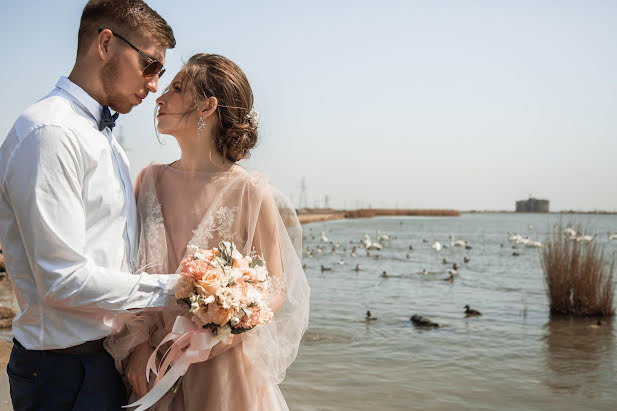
point(123, 16)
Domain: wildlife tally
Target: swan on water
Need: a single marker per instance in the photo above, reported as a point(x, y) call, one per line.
point(437, 245)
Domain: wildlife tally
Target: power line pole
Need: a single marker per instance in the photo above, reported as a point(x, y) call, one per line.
point(302, 202)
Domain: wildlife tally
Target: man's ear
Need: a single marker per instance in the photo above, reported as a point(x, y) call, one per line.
point(103, 45)
point(209, 107)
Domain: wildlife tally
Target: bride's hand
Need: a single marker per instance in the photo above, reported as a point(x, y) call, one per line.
point(136, 368)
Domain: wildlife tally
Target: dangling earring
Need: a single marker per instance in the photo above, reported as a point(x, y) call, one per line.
point(201, 123)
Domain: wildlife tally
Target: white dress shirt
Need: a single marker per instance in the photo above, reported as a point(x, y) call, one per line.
point(68, 224)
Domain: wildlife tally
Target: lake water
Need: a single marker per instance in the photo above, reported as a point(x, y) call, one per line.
point(512, 357)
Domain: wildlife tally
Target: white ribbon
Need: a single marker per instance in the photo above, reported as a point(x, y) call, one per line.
point(191, 344)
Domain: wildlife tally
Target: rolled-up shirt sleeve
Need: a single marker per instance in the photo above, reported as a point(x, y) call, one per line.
point(44, 186)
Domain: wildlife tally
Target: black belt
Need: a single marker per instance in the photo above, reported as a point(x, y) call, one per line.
point(88, 347)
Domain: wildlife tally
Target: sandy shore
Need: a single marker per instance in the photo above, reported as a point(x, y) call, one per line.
point(314, 218)
point(5, 397)
point(6, 292)
point(313, 215)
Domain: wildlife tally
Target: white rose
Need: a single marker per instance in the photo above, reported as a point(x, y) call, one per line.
point(199, 256)
point(253, 296)
point(261, 272)
point(227, 298)
point(235, 254)
point(235, 273)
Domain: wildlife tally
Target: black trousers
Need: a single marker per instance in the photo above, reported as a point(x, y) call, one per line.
point(45, 380)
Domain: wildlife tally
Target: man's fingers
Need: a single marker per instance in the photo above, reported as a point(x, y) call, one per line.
point(138, 384)
point(141, 388)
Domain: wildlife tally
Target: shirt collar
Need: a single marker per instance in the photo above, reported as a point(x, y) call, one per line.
point(90, 105)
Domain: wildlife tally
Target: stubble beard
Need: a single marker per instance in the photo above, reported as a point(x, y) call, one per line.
point(109, 76)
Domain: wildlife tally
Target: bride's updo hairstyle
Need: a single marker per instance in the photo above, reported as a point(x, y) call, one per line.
point(212, 75)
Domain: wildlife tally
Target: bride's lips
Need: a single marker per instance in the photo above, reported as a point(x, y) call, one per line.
point(161, 113)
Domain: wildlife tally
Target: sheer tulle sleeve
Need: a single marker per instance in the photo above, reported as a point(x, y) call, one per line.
point(273, 230)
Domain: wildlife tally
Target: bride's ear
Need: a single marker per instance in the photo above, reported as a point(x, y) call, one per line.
point(209, 107)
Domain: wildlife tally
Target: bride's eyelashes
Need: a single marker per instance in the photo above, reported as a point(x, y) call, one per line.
point(172, 87)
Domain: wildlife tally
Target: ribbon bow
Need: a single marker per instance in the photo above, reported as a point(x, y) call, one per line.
point(191, 344)
point(107, 120)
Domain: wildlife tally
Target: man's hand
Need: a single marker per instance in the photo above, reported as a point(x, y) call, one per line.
point(136, 368)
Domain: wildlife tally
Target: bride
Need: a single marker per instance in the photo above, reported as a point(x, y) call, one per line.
point(202, 199)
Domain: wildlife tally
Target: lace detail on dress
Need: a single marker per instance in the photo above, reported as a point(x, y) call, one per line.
point(153, 250)
point(220, 223)
point(276, 286)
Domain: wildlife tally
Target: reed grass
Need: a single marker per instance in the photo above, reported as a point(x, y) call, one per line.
point(578, 276)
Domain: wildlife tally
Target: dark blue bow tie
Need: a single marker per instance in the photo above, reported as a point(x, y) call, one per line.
point(107, 120)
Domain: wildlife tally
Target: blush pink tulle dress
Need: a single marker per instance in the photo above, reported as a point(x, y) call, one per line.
point(178, 208)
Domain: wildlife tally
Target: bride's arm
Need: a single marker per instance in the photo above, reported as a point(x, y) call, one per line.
point(265, 242)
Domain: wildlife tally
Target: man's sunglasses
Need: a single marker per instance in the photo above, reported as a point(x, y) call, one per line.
point(153, 67)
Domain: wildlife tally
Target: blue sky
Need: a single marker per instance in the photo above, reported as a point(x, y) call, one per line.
point(420, 104)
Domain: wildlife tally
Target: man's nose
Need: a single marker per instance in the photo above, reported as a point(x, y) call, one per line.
point(152, 84)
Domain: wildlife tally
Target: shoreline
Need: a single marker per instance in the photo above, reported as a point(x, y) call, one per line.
point(313, 215)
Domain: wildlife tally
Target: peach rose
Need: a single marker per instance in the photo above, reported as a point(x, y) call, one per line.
point(210, 282)
point(218, 315)
point(195, 268)
point(211, 274)
point(208, 287)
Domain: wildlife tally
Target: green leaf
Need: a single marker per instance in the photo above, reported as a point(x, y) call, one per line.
point(212, 327)
point(240, 330)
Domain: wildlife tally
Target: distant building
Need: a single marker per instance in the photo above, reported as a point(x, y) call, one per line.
point(533, 205)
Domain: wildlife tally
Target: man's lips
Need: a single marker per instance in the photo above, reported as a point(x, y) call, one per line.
point(140, 98)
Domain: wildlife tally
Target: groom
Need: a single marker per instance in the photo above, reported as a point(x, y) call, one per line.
point(68, 222)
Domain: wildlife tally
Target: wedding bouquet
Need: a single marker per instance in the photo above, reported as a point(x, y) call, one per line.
point(224, 290)
point(226, 293)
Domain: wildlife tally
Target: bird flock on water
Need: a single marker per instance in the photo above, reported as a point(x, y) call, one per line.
point(381, 240)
